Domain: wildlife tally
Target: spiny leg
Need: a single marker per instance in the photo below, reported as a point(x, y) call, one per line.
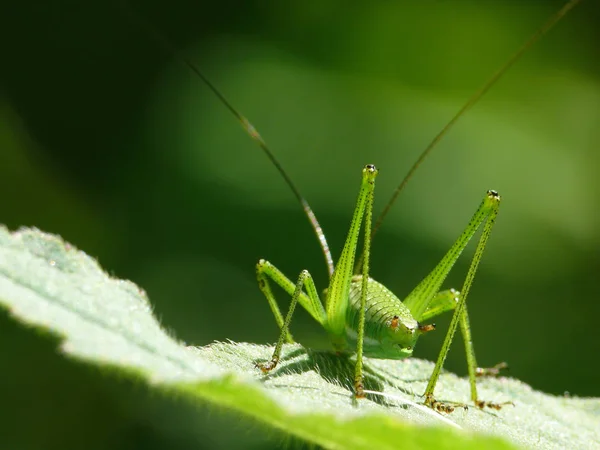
point(474, 370)
point(486, 214)
point(446, 301)
point(337, 296)
point(426, 300)
point(263, 285)
point(359, 385)
point(311, 303)
point(472, 366)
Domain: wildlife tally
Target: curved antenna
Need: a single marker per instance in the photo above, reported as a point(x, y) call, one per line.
point(250, 130)
point(468, 105)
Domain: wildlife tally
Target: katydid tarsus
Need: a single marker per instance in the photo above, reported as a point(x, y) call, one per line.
point(360, 314)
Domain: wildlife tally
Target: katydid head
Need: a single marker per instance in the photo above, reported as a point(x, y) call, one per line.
point(402, 334)
point(398, 339)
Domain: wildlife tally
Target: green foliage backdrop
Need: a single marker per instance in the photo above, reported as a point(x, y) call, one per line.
point(108, 141)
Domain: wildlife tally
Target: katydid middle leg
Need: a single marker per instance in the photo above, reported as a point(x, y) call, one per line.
point(310, 302)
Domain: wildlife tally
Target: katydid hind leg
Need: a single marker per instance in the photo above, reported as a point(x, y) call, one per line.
point(473, 368)
point(426, 300)
point(337, 300)
point(333, 317)
point(445, 301)
point(474, 371)
point(359, 385)
point(485, 215)
point(422, 296)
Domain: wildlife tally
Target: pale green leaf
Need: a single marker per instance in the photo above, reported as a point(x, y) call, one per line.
point(105, 321)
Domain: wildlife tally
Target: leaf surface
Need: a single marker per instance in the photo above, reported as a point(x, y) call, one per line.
point(104, 321)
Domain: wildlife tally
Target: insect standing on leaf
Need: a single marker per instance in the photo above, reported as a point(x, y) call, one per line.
point(360, 314)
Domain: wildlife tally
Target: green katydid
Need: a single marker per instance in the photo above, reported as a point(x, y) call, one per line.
point(360, 314)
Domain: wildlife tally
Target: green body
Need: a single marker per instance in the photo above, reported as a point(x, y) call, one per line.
point(381, 339)
point(363, 316)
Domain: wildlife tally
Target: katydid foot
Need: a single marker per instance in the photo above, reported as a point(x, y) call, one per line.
point(449, 407)
point(443, 407)
point(481, 404)
point(268, 366)
point(359, 389)
point(491, 371)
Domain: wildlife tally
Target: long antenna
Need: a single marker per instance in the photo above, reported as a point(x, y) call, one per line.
point(472, 101)
point(254, 134)
point(468, 105)
point(247, 126)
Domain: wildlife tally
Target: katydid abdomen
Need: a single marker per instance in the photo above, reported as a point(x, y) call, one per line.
point(390, 330)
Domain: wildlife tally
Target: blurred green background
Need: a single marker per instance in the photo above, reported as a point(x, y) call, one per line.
point(109, 141)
